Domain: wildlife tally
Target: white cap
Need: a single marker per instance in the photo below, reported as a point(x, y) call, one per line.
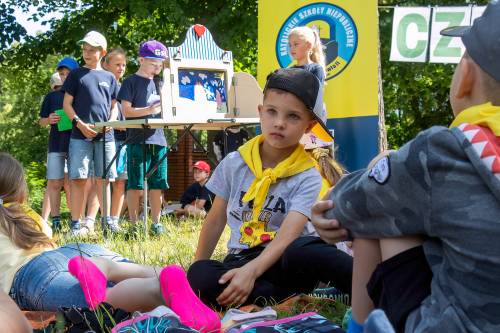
point(55, 80)
point(95, 39)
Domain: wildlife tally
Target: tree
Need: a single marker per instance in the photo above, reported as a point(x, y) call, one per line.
point(415, 94)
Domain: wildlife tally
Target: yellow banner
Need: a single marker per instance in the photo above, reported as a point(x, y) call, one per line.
point(349, 32)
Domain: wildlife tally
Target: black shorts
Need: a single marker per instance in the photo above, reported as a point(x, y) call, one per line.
point(399, 284)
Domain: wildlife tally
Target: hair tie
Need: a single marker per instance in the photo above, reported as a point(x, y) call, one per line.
point(321, 152)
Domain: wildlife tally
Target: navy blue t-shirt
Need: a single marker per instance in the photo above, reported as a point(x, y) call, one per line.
point(316, 69)
point(196, 191)
point(58, 141)
point(93, 91)
point(141, 92)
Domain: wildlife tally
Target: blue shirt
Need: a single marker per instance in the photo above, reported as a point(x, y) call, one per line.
point(58, 141)
point(316, 69)
point(141, 92)
point(93, 91)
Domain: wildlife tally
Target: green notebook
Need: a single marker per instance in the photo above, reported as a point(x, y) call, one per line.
point(64, 124)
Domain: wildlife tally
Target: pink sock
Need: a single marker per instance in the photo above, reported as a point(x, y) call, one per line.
point(182, 300)
point(92, 280)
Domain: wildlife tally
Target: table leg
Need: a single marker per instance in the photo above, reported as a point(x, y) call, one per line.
point(145, 180)
point(104, 210)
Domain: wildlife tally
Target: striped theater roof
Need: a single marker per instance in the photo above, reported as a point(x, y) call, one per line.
point(199, 45)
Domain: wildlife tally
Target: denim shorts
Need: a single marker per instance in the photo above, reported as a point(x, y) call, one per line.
point(83, 152)
point(56, 165)
point(44, 283)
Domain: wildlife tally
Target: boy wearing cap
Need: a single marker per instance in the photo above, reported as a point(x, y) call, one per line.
point(425, 218)
point(197, 199)
point(264, 192)
point(58, 140)
point(140, 98)
point(90, 96)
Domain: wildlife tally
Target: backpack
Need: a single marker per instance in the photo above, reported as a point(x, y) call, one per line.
point(161, 321)
point(84, 320)
point(310, 322)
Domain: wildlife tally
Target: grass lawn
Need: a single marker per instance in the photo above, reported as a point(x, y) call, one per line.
point(177, 246)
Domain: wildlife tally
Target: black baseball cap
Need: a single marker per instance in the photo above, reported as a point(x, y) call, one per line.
point(303, 84)
point(482, 39)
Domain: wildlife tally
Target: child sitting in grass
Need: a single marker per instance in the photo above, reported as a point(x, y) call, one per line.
point(264, 193)
point(39, 276)
point(425, 218)
point(197, 199)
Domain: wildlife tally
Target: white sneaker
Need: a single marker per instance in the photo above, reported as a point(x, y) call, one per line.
point(84, 228)
point(88, 223)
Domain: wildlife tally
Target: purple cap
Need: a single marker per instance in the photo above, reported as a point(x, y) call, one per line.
point(153, 49)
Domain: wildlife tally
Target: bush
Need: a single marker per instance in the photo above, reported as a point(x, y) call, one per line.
point(35, 177)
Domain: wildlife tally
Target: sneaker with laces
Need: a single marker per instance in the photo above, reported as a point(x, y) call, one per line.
point(56, 224)
point(110, 225)
point(79, 229)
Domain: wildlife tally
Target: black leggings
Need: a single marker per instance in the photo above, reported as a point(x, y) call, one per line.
point(305, 262)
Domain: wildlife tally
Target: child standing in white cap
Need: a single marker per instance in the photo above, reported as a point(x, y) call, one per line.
point(90, 96)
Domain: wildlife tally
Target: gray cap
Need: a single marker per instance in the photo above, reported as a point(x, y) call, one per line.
point(482, 39)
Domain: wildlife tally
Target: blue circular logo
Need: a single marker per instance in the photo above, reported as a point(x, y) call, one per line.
point(337, 31)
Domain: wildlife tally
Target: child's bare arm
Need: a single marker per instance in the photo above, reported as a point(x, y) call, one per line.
point(243, 278)
point(114, 111)
point(131, 112)
point(85, 128)
point(68, 106)
point(53, 118)
point(11, 317)
point(200, 203)
point(212, 229)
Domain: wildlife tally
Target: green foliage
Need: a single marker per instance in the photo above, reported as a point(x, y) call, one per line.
point(21, 94)
point(25, 68)
point(415, 94)
point(35, 177)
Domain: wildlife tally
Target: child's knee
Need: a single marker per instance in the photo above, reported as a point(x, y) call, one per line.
point(203, 277)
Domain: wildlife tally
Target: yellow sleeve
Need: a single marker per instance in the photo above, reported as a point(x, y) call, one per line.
point(42, 224)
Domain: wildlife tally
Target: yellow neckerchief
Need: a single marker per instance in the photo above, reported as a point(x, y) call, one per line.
point(253, 232)
point(486, 115)
point(28, 211)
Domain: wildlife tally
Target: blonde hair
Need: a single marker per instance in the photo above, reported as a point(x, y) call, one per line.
point(21, 229)
point(114, 52)
point(311, 36)
point(329, 168)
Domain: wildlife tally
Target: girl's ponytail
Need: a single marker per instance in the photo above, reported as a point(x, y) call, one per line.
point(317, 54)
point(329, 168)
point(15, 220)
point(22, 230)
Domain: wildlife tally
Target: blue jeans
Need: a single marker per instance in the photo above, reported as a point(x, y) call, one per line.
point(44, 283)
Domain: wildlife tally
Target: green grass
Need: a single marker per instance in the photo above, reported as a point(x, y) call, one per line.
point(178, 245)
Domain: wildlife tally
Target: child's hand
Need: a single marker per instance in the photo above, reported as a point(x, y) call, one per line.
point(54, 118)
point(86, 129)
point(328, 230)
point(155, 108)
point(241, 285)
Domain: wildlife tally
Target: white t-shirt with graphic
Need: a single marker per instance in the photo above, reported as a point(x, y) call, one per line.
point(231, 180)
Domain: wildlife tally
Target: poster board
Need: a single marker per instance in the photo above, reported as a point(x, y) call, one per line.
point(197, 79)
